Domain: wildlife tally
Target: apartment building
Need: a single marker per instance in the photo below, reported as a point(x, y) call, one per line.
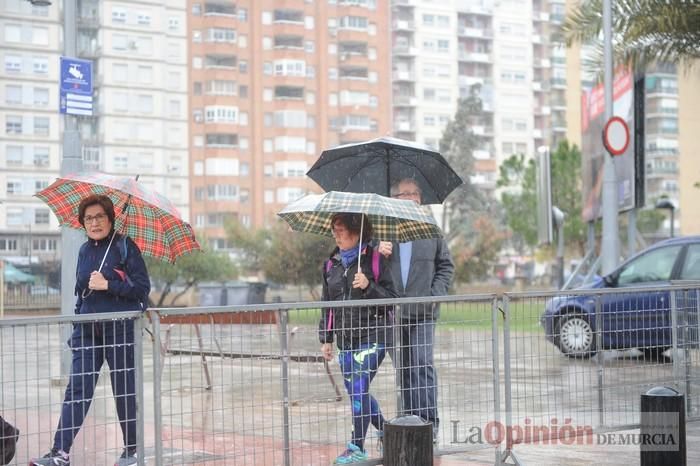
point(30, 138)
point(441, 50)
point(139, 125)
point(272, 84)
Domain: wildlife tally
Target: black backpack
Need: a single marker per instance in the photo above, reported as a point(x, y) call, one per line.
point(9, 435)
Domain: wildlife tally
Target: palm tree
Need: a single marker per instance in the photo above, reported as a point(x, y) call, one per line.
point(644, 31)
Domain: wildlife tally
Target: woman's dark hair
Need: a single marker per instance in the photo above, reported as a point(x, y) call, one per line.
point(96, 199)
point(353, 222)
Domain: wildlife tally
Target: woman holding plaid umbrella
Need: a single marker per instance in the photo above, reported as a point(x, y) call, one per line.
point(362, 334)
point(111, 277)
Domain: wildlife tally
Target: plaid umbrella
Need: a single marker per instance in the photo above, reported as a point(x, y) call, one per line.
point(373, 166)
point(392, 219)
point(150, 219)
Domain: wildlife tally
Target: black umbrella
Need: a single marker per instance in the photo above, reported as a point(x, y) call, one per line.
point(373, 166)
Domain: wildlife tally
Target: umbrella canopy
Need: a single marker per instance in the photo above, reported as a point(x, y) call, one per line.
point(14, 275)
point(373, 166)
point(392, 219)
point(150, 219)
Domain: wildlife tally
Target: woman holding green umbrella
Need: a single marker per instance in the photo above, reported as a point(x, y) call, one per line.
point(355, 271)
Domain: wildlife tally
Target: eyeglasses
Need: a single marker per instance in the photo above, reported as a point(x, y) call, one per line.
point(407, 194)
point(99, 218)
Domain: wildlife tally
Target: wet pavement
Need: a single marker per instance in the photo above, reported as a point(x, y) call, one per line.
point(240, 419)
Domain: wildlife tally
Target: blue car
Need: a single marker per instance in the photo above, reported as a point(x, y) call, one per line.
point(639, 319)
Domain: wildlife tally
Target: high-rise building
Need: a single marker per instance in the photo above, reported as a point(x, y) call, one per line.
point(139, 125)
point(30, 138)
point(441, 50)
point(272, 84)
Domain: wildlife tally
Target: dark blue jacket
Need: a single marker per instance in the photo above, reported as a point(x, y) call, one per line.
point(122, 294)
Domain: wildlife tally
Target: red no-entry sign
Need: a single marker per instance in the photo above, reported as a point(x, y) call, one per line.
point(616, 136)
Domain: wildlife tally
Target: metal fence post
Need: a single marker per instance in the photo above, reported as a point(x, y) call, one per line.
point(138, 376)
point(284, 347)
point(507, 379)
point(496, 371)
point(157, 386)
point(599, 358)
point(674, 338)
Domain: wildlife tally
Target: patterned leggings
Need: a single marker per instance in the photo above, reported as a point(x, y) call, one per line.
point(359, 366)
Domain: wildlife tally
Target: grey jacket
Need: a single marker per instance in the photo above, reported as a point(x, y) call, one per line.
point(430, 274)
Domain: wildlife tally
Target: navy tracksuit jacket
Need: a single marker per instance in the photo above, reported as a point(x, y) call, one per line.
point(93, 343)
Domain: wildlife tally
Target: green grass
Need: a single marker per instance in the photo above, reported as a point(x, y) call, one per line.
point(524, 316)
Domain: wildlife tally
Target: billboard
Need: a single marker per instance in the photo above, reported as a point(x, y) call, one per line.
point(629, 185)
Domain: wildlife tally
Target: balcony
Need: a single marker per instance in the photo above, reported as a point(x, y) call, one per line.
point(542, 63)
point(404, 126)
point(540, 16)
point(403, 25)
point(478, 33)
point(405, 101)
point(467, 6)
point(406, 3)
point(537, 133)
point(559, 83)
point(478, 57)
point(404, 75)
point(405, 50)
point(481, 154)
point(88, 21)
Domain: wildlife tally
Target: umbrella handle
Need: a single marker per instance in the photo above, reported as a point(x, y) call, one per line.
point(359, 242)
point(88, 292)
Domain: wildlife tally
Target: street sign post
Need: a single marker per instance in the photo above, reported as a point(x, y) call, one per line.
point(616, 136)
point(76, 87)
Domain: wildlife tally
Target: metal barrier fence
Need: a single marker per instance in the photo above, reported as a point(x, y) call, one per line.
point(272, 399)
point(619, 342)
point(216, 391)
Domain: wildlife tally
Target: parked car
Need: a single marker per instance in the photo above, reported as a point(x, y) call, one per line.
point(639, 319)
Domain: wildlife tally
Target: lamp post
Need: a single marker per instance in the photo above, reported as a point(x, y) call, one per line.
point(666, 203)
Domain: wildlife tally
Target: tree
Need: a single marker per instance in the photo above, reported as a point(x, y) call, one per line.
point(474, 259)
point(457, 145)
point(251, 246)
point(646, 31)
point(296, 258)
point(519, 199)
point(189, 270)
point(475, 234)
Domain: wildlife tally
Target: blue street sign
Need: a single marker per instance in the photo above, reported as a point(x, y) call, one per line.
point(76, 86)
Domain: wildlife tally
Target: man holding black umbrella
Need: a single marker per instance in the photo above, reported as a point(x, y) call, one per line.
point(420, 268)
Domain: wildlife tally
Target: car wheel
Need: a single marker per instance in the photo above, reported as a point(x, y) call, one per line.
point(575, 336)
point(656, 353)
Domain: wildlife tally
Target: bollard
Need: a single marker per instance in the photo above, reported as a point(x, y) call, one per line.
point(662, 428)
point(408, 441)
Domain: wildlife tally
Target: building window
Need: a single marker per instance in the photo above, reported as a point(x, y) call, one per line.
point(13, 124)
point(9, 244)
point(144, 19)
point(13, 94)
point(41, 156)
point(41, 126)
point(41, 96)
point(15, 156)
point(41, 65)
point(118, 15)
point(14, 187)
point(41, 216)
point(13, 33)
point(13, 64)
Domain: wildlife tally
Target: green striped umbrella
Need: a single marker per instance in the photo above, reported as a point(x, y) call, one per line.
point(392, 219)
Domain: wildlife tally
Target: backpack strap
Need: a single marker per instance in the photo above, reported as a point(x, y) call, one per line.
point(123, 251)
point(375, 265)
